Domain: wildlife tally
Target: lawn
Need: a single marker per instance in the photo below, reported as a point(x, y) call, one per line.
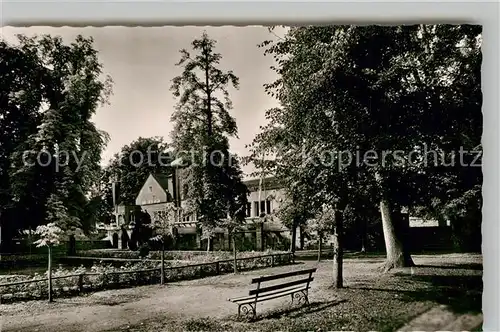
point(370, 301)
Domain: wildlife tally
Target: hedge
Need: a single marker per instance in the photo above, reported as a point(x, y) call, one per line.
point(198, 256)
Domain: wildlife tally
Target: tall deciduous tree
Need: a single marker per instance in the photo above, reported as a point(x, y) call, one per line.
point(22, 86)
point(54, 188)
point(367, 92)
point(213, 188)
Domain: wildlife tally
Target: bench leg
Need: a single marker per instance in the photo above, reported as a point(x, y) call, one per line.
point(306, 297)
point(248, 310)
point(300, 297)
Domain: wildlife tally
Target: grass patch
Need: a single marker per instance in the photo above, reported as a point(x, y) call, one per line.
point(370, 301)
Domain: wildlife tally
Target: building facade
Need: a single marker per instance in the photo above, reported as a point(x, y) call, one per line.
point(160, 192)
point(262, 227)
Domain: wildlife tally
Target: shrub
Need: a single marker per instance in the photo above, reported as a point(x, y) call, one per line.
point(192, 256)
point(66, 282)
point(144, 250)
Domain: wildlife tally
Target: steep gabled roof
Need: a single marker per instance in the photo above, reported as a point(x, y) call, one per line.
point(162, 180)
point(165, 181)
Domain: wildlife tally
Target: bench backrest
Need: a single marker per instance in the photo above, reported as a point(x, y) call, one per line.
point(260, 290)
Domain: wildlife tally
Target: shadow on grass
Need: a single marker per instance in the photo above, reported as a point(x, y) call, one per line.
point(469, 266)
point(297, 311)
point(291, 311)
point(462, 294)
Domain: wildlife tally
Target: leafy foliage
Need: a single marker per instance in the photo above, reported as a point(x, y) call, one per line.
point(48, 98)
point(213, 187)
point(162, 225)
point(134, 164)
point(348, 90)
point(50, 235)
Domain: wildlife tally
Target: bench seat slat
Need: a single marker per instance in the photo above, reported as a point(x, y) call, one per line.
point(274, 295)
point(282, 275)
point(281, 286)
point(296, 288)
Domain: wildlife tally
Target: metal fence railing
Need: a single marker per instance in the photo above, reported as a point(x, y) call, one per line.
point(74, 284)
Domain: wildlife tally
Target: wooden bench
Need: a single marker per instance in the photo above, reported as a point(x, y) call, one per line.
point(297, 289)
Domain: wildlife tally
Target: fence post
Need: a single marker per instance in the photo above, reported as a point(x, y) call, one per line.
point(272, 260)
point(80, 283)
point(201, 271)
point(217, 267)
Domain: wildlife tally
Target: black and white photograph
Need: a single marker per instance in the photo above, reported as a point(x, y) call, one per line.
point(254, 178)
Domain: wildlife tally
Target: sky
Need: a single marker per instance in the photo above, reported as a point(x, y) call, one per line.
point(141, 62)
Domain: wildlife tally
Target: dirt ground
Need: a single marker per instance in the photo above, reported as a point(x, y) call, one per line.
point(119, 309)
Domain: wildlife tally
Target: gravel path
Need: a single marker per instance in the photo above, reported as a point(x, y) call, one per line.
point(111, 309)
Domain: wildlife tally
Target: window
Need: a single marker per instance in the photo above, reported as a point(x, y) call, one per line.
point(260, 208)
point(255, 209)
point(132, 217)
point(150, 189)
point(249, 210)
point(154, 199)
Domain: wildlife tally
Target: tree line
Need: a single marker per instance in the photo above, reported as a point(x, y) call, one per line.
point(339, 88)
point(378, 88)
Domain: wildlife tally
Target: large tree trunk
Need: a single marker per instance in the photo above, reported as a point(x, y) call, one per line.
point(49, 273)
point(397, 255)
point(235, 263)
point(209, 97)
point(209, 244)
point(294, 237)
point(364, 236)
point(320, 242)
point(338, 251)
point(301, 229)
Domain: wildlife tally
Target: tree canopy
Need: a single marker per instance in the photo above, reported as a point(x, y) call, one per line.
point(203, 124)
point(358, 103)
point(50, 149)
point(133, 164)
